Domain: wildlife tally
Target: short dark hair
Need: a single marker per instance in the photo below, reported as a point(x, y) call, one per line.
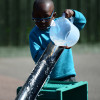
point(36, 2)
point(41, 1)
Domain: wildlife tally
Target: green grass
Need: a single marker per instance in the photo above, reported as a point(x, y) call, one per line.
point(86, 48)
point(25, 51)
point(14, 51)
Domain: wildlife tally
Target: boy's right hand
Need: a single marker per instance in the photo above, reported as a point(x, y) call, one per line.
point(66, 47)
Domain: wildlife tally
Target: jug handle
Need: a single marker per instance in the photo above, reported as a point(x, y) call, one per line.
point(71, 19)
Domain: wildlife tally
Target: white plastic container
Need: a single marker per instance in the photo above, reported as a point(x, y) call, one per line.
point(64, 33)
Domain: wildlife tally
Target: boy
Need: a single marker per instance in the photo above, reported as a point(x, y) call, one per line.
point(43, 13)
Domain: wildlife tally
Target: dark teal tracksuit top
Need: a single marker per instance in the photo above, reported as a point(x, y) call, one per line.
point(39, 39)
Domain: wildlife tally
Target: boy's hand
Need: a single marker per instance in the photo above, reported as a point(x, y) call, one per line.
point(65, 47)
point(69, 13)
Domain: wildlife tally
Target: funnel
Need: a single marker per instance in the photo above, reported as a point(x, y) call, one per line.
point(64, 33)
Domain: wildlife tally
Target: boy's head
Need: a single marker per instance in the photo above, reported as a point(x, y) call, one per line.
point(43, 13)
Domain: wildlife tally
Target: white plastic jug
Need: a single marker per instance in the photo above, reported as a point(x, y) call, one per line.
point(63, 32)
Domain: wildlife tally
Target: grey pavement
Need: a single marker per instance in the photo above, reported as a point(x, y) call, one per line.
point(15, 71)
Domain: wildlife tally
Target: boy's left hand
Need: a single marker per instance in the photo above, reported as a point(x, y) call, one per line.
point(69, 13)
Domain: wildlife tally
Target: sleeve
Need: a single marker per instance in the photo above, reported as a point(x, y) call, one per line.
point(79, 20)
point(35, 48)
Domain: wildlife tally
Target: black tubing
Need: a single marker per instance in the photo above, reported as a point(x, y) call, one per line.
point(40, 73)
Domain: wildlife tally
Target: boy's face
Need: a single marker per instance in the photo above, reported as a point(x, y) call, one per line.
point(44, 15)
